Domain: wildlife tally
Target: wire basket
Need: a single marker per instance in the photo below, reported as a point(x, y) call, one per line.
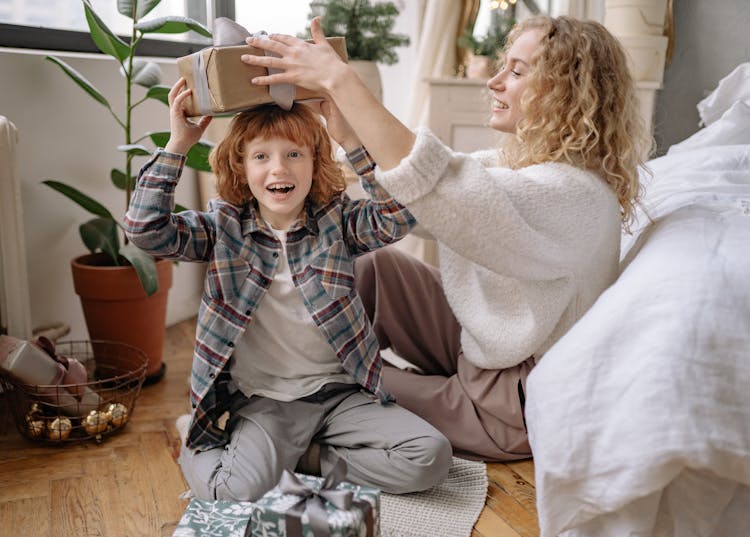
point(67, 413)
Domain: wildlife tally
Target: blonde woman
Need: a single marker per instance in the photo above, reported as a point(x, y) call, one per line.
point(528, 234)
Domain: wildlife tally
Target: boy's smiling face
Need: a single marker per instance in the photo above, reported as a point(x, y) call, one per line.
point(279, 173)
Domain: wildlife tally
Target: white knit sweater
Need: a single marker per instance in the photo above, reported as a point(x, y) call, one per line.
point(523, 253)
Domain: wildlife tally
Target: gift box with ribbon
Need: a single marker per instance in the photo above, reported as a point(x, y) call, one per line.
point(305, 506)
point(299, 506)
point(220, 81)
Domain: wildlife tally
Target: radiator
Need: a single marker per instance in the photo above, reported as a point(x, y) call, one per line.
point(15, 309)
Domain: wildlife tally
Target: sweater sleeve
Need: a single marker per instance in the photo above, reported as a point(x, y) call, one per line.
point(535, 222)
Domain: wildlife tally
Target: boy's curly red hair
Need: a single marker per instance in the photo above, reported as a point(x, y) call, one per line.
point(300, 125)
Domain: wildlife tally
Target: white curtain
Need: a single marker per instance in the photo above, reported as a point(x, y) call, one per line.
point(436, 53)
point(580, 9)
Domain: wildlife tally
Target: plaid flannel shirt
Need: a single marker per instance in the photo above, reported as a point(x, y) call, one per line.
point(242, 254)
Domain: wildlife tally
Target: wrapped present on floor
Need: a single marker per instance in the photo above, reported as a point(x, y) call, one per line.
point(299, 506)
point(220, 518)
point(220, 81)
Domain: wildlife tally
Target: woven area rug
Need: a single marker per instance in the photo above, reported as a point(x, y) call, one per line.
point(449, 509)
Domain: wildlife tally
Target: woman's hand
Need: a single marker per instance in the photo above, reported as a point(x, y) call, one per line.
point(184, 132)
point(302, 62)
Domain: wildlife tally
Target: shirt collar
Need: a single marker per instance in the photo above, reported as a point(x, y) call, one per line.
point(251, 220)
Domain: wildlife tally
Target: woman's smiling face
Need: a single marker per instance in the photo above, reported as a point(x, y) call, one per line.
point(508, 85)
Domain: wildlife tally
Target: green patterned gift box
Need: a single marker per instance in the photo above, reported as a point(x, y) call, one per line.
point(300, 506)
point(204, 518)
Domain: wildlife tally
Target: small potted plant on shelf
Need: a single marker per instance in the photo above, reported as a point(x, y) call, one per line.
point(368, 28)
point(482, 61)
point(123, 290)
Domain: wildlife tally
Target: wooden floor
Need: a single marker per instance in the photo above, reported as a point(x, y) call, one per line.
point(129, 486)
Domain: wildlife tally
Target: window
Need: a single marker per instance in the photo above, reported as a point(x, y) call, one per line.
point(33, 24)
point(288, 17)
point(69, 15)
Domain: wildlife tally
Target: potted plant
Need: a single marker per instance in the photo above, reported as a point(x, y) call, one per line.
point(368, 29)
point(123, 290)
point(484, 49)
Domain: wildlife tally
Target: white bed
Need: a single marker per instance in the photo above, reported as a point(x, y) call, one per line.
point(639, 417)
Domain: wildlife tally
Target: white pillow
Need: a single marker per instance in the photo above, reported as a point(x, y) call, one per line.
point(732, 88)
point(732, 128)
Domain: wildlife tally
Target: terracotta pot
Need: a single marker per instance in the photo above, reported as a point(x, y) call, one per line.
point(369, 74)
point(116, 307)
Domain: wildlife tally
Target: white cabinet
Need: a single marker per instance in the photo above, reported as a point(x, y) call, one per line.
point(459, 111)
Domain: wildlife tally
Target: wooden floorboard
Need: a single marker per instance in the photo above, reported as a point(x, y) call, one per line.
point(130, 484)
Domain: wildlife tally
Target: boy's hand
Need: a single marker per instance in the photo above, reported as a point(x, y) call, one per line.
point(338, 127)
point(184, 132)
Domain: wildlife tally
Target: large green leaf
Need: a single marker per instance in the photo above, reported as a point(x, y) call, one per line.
point(160, 93)
point(103, 37)
point(146, 73)
point(144, 266)
point(101, 234)
point(172, 25)
point(134, 149)
point(136, 9)
point(119, 180)
point(197, 157)
point(79, 79)
point(80, 198)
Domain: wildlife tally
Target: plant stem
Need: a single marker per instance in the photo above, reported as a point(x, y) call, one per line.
point(128, 116)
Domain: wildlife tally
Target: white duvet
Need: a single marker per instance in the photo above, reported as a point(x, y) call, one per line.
point(639, 417)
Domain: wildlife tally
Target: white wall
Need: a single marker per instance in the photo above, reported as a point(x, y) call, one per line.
point(710, 41)
point(66, 135)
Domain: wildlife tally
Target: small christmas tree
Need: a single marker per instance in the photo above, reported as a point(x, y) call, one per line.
point(366, 26)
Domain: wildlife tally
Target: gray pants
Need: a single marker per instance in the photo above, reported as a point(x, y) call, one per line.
point(384, 446)
point(479, 410)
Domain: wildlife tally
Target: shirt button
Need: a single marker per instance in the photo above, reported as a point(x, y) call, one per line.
point(212, 375)
point(248, 312)
point(276, 254)
point(230, 344)
point(193, 405)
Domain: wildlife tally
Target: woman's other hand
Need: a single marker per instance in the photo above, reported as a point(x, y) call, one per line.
point(338, 127)
point(184, 132)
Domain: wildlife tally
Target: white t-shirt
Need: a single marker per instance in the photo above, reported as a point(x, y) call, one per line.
point(282, 354)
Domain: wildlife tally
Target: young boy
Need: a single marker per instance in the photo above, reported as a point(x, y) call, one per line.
point(283, 342)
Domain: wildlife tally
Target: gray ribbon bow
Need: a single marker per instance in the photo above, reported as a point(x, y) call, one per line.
point(311, 501)
point(227, 32)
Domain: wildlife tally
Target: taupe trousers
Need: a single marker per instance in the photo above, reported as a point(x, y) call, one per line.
point(479, 410)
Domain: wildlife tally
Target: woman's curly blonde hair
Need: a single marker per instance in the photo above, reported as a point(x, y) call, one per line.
point(580, 107)
point(300, 125)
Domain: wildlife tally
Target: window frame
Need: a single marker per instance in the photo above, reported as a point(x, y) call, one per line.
point(22, 36)
point(41, 38)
